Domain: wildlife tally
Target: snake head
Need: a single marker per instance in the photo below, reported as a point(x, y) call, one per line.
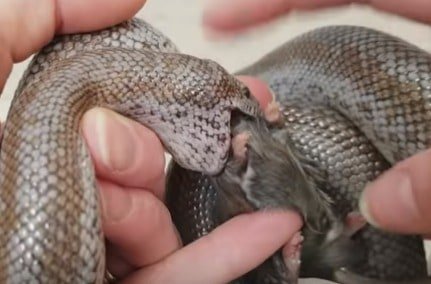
point(188, 103)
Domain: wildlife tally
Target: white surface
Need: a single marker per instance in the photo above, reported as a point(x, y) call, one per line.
point(181, 21)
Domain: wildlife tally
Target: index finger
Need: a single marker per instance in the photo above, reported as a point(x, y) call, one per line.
point(226, 15)
point(231, 250)
point(408, 186)
point(84, 15)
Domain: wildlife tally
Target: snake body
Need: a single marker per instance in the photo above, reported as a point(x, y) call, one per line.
point(355, 102)
point(49, 215)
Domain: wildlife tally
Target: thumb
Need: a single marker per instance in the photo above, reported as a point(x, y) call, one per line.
point(124, 152)
point(399, 200)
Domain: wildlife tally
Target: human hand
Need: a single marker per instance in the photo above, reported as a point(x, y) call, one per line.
point(142, 243)
point(408, 184)
point(226, 15)
point(399, 200)
point(26, 26)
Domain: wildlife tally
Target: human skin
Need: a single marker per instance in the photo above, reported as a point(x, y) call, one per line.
point(129, 162)
point(226, 15)
point(409, 182)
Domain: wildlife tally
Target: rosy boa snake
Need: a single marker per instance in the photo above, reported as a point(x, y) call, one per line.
point(49, 212)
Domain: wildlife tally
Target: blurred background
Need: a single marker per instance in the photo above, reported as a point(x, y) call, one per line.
point(181, 21)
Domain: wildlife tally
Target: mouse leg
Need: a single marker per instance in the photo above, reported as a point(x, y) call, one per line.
point(292, 253)
point(239, 145)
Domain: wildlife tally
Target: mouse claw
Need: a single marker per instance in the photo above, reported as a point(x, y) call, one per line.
point(239, 145)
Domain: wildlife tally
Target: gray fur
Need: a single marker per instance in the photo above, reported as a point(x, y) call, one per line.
point(355, 101)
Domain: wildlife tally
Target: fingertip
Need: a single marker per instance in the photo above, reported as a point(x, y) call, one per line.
point(397, 201)
point(364, 208)
point(245, 241)
point(116, 203)
point(233, 16)
point(29, 26)
point(258, 88)
point(384, 212)
point(90, 18)
point(124, 151)
point(228, 252)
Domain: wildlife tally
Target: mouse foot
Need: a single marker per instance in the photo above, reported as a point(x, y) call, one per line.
point(239, 145)
point(292, 253)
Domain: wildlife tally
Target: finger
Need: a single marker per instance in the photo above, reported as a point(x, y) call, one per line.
point(258, 89)
point(228, 252)
point(28, 25)
point(399, 200)
point(225, 15)
point(124, 151)
point(138, 226)
point(95, 14)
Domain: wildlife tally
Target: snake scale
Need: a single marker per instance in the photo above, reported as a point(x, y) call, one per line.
point(354, 100)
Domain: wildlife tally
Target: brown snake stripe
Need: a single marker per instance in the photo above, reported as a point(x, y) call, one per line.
point(49, 215)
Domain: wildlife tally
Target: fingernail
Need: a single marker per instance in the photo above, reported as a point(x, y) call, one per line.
point(117, 140)
point(389, 201)
point(363, 208)
point(116, 203)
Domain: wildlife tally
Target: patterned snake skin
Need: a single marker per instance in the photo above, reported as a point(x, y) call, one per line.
point(340, 89)
point(49, 215)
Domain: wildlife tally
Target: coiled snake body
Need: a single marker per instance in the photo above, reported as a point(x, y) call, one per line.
point(354, 100)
